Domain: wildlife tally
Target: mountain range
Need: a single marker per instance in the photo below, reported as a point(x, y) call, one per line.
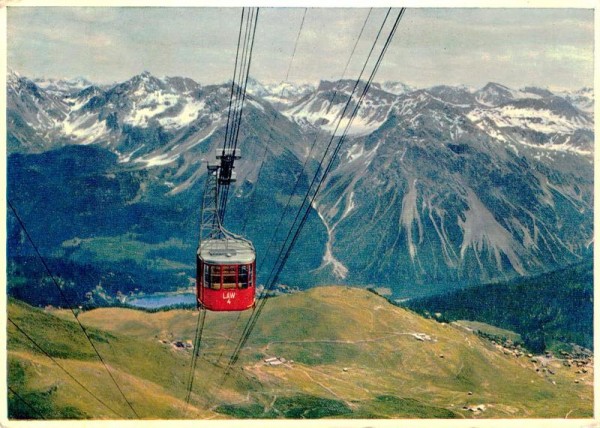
point(433, 189)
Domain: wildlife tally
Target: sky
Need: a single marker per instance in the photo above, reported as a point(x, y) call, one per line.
point(550, 48)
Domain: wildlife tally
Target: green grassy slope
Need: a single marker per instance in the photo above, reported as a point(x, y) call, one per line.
point(151, 375)
point(348, 354)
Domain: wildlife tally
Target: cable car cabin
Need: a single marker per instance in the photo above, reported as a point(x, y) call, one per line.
point(226, 274)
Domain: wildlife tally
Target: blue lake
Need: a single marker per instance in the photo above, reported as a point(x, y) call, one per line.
point(162, 299)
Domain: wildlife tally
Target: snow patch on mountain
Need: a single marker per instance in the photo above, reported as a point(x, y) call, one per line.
point(256, 105)
point(494, 94)
point(499, 122)
point(355, 152)
point(290, 90)
point(189, 111)
point(151, 105)
point(162, 159)
point(126, 158)
point(86, 129)
point(61, 86)
point(583, 98)
point(563, 147)
point(544, 121)
point(317, 113)
point(280, 95)
point(396, 88)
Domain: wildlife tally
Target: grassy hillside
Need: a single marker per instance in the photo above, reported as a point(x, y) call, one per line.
point(548, 311)
point(151, 376)
point(342, 353)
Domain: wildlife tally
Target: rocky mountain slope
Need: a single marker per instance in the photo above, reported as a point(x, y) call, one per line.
point(456, 192)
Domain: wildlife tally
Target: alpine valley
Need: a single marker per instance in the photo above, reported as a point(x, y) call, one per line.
point(434, 189)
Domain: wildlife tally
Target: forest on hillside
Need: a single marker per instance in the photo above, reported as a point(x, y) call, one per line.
point(548, 311)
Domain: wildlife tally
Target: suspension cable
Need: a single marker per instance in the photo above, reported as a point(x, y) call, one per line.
point(273, 117)
point(273, 279)
point(308, 156)
point(248, 47)
point(233, 82)
point(253, 197)
point(316, 175)
point(195, 355)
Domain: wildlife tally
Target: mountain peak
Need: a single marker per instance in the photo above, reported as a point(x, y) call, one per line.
point(496, 88)
point(63, 85)
point(494, 94)
point(457, 95)
point(144, 81)
point(144, 76)
point(254, 87)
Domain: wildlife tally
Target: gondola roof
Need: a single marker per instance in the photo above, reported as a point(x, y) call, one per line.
point(227, 251)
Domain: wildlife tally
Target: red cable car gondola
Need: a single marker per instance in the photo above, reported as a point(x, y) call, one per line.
point(225, 262)
point(226, 274)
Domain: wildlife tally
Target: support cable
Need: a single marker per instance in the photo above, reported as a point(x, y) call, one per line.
point(273, 279)
point(316, 175)
point(262, 162)
point(195, 354)
point(233, 81)
point(308, 156)
point(250, 47)
point(253, 197)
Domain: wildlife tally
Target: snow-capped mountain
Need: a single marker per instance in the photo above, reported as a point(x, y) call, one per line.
point(436, 196)
point(533, 117)
point(494, 94)
point(141, 120)
point(172, 102)
point(280, 95)
point(33, 115)
point(440, 187)
point(583, 98)
point(62, 86)
point(322, 109)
